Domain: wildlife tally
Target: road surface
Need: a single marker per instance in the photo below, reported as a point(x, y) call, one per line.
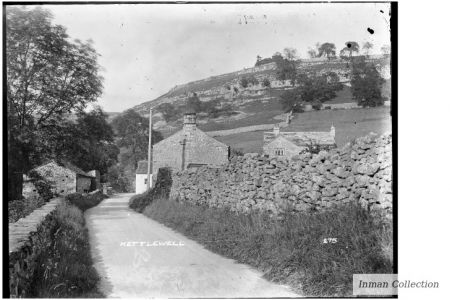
point(137, 257)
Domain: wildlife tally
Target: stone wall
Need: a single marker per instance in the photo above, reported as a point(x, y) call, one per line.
point(360, 171)
point(28, 237)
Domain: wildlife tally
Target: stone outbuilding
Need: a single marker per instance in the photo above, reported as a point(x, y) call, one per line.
point(64, 177)
point(189, 147)
point(288, 144)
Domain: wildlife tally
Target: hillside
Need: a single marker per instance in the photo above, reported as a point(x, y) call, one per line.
point(255, 103)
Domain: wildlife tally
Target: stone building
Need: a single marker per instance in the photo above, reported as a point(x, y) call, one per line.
point(288, 144)
point(189, 147)
point(64, 177)
point(141, 177)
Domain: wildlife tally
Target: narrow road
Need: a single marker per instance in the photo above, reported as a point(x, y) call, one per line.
point(184, 270)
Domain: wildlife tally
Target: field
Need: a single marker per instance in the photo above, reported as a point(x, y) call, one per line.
point(349, 124)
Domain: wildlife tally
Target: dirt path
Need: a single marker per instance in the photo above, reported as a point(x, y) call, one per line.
point(183, 271)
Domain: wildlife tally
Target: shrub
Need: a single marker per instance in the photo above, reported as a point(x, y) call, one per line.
point(294, 250)
point(244, 82)
point(43, 186)
point(84, 202)
point(317, 105)
point(65, 269)
point(161, 190)
point(266, 82)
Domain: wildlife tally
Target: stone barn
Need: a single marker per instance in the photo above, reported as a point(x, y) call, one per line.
point(288, 144)
point(64, 177)
point(189, 147)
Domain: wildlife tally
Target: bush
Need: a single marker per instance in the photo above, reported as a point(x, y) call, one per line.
point(65, 269)
point(294, 250)
point(43, 186)
point(317, 105)
point(266, 82)
point(161, 190)
point(84, 202)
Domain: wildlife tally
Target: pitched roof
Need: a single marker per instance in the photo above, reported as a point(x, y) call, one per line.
point(74, 168)
point(142, 167)
point(302, 138)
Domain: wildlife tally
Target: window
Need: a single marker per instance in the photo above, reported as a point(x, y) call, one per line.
point(279, 152)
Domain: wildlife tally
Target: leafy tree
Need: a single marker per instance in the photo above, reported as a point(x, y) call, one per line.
point(386, 50)
point(312, 53)
point(327, 49)
point(291, 101)
point(349, 49)
point(253, 80)
point(244, 82)
point(168, 111)
point(266, 82)
point(90, 142)
point(132, 133)
point(48, 77)
point(367, 47)
point(311, 89)
point(366, 84)
point(290, 53)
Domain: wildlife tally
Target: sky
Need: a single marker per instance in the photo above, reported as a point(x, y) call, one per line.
point(146, 49)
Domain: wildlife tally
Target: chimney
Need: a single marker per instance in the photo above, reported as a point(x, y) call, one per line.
point(276, 129)
point(190, 121)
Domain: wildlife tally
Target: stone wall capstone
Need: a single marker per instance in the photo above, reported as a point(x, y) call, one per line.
point(360, 171)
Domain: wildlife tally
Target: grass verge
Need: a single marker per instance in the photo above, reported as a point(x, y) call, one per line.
point(297, 250)
point(65, 269)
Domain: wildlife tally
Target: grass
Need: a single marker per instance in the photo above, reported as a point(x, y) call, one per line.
point(65, 269)
point(289, 250)
point(84, 202)
point(349, 124)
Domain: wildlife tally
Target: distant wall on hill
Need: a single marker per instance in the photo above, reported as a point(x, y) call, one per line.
point(361, 172)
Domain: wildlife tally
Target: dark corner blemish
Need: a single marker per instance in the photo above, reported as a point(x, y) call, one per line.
point(370, 30)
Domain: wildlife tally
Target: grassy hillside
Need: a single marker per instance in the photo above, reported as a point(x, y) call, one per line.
point(349, 124)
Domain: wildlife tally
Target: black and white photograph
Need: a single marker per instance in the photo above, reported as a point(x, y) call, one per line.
point(201, 150)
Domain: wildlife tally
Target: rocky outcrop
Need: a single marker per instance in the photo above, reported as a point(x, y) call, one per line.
point(360, 171)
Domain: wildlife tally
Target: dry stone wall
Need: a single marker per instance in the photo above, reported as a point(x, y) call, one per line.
point(360, 171)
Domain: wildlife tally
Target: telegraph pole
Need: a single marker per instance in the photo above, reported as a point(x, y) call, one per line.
point(149, 164)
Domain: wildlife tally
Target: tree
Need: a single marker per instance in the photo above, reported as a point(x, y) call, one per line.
point(132, 133)
point(312, 88)
point(327, 49)
point(386, 50)
point(90, 143)
point(312, 53)
point(168, 111)
point(243, 82)
point(290, 53)
point(366, 84)
point(291, 100)
point(349, 49)
point(48, 77)
point(367, 47)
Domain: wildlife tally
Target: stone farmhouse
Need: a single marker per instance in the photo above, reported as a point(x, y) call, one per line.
point(65, 179)
point(288, 144)
point(188, 148)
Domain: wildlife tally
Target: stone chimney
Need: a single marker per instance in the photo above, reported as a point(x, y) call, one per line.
point(190, 121)
point(276, 129)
